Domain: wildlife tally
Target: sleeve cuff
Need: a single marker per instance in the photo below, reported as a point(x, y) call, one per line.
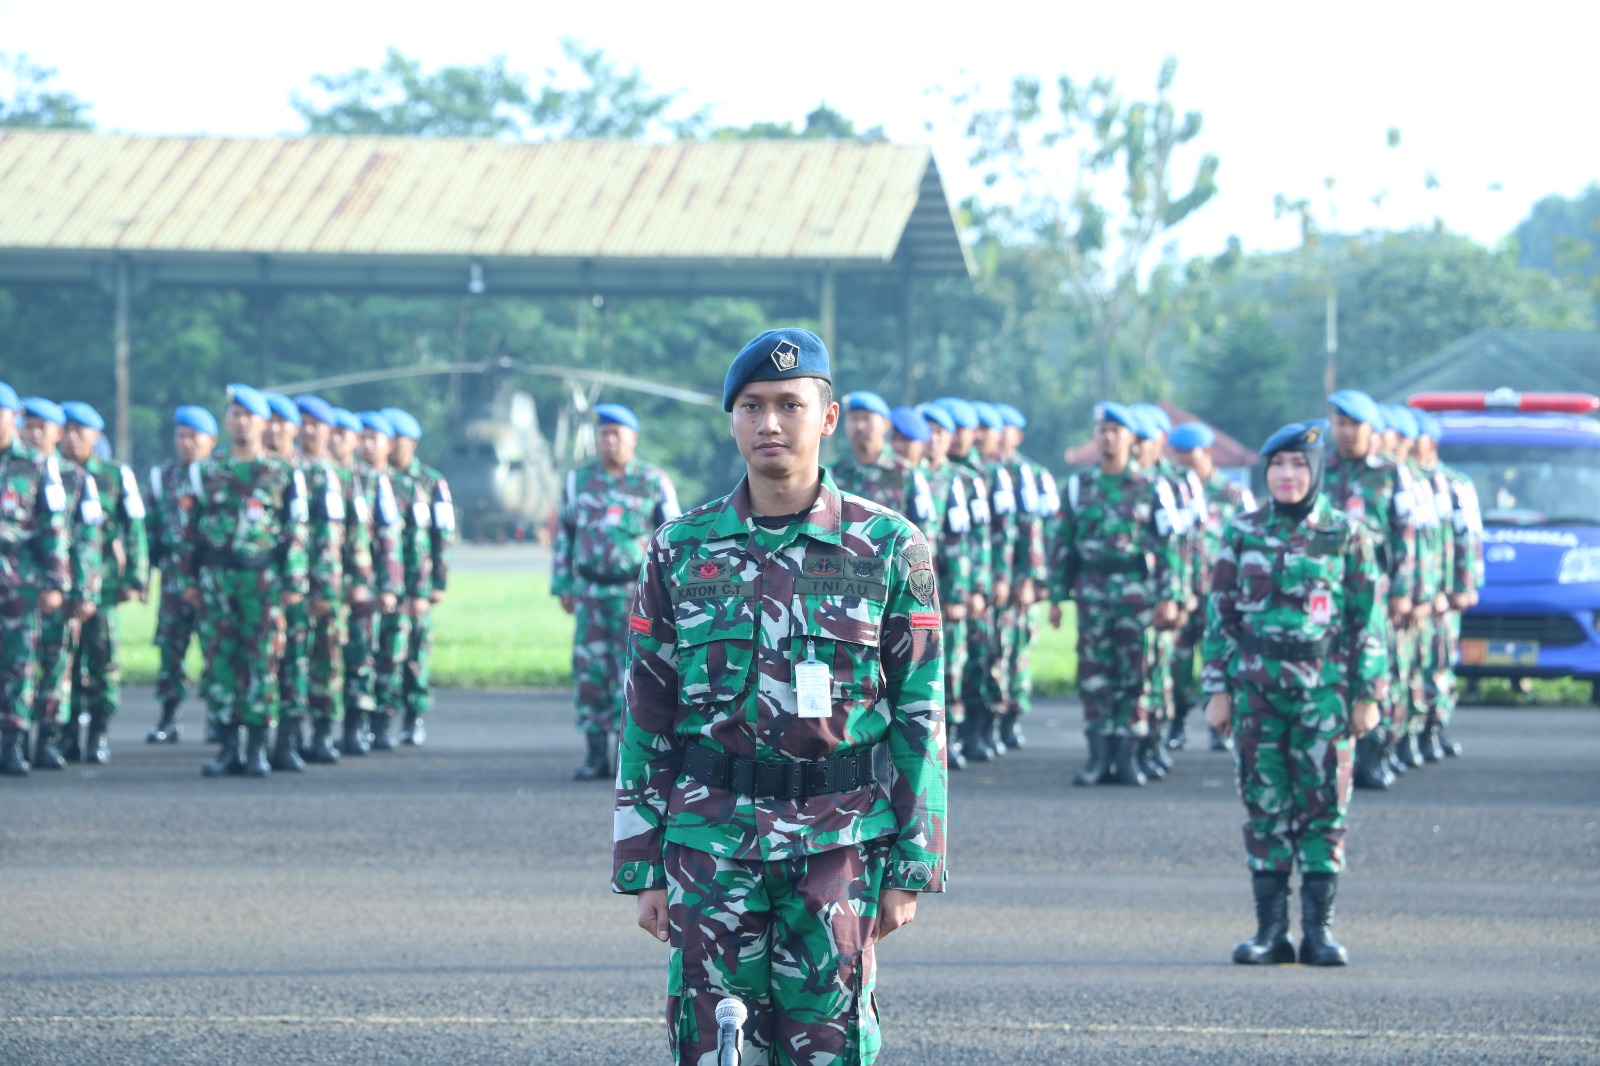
point(915, 875)
point(631, 878)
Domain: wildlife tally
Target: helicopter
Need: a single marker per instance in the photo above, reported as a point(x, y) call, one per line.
point(504, 475)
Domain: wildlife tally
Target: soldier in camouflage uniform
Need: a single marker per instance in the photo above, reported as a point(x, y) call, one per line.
point(908, 434)
point(780, 635)
point(1415, 638)
point(1159, 699)
point(989, 648)
point(1037, 504)
point(34, 573)
point(1115, 555)
point(58, 633)
point(1377, 493)
point(1216, 500)
point(949, 534)
point(872, 469)
point(1295, 661)
point(294, 665)
point(413, 475)
point(245, 555)
point(177, 623)
point(609, 509)
point(96, 671)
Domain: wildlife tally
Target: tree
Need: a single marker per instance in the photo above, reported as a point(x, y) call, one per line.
point(1562, 236)
point(823, 123)
point(1242, 382)
point(33, 105)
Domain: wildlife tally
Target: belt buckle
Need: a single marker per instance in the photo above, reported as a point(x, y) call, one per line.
point(794, 780)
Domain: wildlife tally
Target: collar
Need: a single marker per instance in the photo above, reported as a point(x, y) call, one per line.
point(821, 524)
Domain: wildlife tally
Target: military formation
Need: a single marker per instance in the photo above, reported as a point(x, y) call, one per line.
point(302, 546)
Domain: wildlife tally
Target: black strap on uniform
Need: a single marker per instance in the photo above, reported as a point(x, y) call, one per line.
point(780, 780)
point(1107, 565)
point(1286, 650)
point(596, 576)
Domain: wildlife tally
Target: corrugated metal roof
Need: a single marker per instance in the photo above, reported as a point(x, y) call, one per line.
point(837, 202)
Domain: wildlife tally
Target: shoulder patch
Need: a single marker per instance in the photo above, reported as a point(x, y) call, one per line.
point(917, 555)
point(925, 620)
point(639, 623)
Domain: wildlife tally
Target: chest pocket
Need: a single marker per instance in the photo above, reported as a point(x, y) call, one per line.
point(716, 639)
point(843, 626)
point(1318, 571)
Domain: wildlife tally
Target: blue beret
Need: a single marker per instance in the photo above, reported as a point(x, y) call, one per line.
point(316, 407)
point(910, 423)
point(250, 399)
point(777, 354)
point(1011, 415)
point(375, 421)
point(616, 414)
point(1428, 424)
point(44, 410)
point(1191, 435)
point(937, 415)
point(1143, 428)
point(1400, 420)
point(988, 415)
point(404, 425)
point(344, 419)
point(1111, 411)
point(283, 407)
point(81, 413)
point(9, 401)
point(1357, 405)
point(961, 412)
point(863, 400)
point(196, 418)
point(1154, 416)
point(1295, 437)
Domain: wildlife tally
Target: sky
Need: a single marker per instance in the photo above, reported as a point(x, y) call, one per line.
point(1493, 100)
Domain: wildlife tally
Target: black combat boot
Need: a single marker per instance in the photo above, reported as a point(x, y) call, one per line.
point(255, 755)
point(1432, 749)
point(96, 748)
point(597, 763)
point(1178, 731)
point(954, 754)
point(1391, 758)
point(997, 743)
point(286, 752)
point(1218, 742)
point(1158, 752)
point(1451, 749)
point(975, 735)
point(1366, 772)
point(1317, 946)
point(383, 731)
point(213, 734)
point(70, 742)
point(355, 734)
point(1409, 751)
point(1144, 757)
point(227, 760)
point(322, 749)
point(1011, 730)
point(415, 732)
point(1271, 946)
point(13, 758)
point(167, 731)
point(1099, 765)
point(46, 756)
point(1124, 765)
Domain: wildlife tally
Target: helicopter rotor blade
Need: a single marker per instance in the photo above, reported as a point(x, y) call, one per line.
point(599, 377)
point(364, 377)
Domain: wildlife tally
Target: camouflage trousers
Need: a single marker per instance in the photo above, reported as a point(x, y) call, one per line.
point(97, 667)
point(1158, 699)
point(1292, 764)
point(58, 642)
point(981, 682)
point(177, 623)
point(417, 689)
point(19, 649)
point(955, 668)
point(392, 642)
point(360, 659)
point(1114, 650)
point(792, 939)
point(326, 668)
point(1409, 702)
point(294, 668)
point(1185, 682)
point(1441, 683)
point(242, 633)
point(1018, 666)
point(599, 656)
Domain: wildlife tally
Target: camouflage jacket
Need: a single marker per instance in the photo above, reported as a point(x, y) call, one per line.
point(248, 514)
point(724, 609)
point(948, 533)
point(979, 541)
point(400, 557)
point(1115, 542)
point(1310, 586)
point(1037, 504)
point(327, 519)
point(604, 525)
point(87, 520)
point(1185, 518)
point(1435, 532)
point(890, 482)
point(1377, 493)
point(1003, 519)
point(1466, 563)
point(35, 541)
point(1218, 501)
point(124, 542)
point(164, 519)
point(422, 481)
point(359, 563)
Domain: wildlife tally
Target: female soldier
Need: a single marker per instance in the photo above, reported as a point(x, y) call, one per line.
point(1294, 662)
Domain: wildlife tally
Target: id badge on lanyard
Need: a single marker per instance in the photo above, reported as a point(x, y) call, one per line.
point(813, 685)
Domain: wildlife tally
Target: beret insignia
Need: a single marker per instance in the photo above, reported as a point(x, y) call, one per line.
point(786, 356)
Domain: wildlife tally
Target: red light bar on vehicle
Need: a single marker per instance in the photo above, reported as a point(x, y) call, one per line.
point(1548, 403)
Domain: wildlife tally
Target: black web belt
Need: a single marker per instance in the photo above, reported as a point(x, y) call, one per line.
point(602, 577)
point(1287, 650)
point(1134, 565)
point(227, 559)
point(781, 780)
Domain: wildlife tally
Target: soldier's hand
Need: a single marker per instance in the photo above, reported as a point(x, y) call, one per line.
point(359, 594)
point(976, 603)
point(1441, 603)
point(652, 915)
point(50, 601)
point(1399, 609)
point(192, 597)
point(1420, 611)
point(293, 599)
point(127, 596)
point(1460, 601)
point(896, 907)
point(955, 612)
point(437, 595)
point(1219, 713)
point(319, 607)
point(84, 610)
point(1029, 594)
point(1002, 592)
point(569, 603)
point(388, 602)
point(1055, 616)
point(419, 606)
point(1363, 718)
point(1166, 616)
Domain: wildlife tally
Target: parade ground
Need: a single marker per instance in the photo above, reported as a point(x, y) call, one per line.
point(451, 905)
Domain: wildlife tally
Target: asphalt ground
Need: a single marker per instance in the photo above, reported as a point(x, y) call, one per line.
point(450, 905)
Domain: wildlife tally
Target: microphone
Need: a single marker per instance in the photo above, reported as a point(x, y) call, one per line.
point(730, 1023)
